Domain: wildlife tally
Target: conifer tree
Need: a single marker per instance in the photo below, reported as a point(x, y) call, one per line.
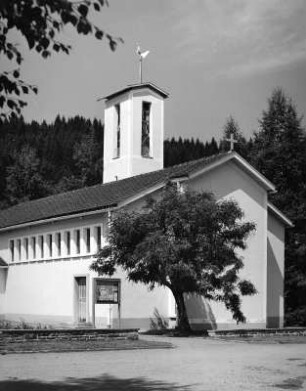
point(231, 127)
point(279, 152)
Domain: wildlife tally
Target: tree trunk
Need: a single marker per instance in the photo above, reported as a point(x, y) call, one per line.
point(182, 322)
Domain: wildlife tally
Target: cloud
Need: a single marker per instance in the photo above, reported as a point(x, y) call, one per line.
point(239, 37)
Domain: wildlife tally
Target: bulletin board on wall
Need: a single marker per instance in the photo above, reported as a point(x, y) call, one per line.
point(107, 291)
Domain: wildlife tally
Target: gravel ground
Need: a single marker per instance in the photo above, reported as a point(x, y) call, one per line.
point(196, 364)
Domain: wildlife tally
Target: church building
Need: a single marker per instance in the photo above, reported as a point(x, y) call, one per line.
point(47, 245)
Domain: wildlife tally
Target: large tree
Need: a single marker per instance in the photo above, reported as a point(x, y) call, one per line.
point(186, 242)
point(40, 23)
point(279, 152)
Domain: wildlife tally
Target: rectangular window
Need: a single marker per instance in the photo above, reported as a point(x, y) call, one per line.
point(98, 237)
point(117, 131)
point(50, 244)
point(145, 129)
point(19, 248)
point(78, 241)
point(12, 250)
point(26, 247)
point(34, 247)
point(59, 244)
point(68, 242)
point(87, 233)
point(41, 245)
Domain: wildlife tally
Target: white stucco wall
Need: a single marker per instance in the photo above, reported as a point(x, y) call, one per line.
point(275, 273)
point(43, 290)
point(131, 162)
point(230, 182)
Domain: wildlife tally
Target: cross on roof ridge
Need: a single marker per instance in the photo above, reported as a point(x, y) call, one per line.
point(232, 141)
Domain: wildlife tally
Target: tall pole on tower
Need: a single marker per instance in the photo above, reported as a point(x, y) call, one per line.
point(140, 69)
point(141, 56)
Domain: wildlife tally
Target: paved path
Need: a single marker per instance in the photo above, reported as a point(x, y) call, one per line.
point(196, 364)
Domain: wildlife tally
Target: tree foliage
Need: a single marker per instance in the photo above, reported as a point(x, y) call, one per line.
point(183, 150)
point(40, 22)
point(186, 242)
point(69, 155)
point(37, 160)
point(279, 152)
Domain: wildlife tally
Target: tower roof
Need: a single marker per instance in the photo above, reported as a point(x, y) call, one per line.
point(138, 86)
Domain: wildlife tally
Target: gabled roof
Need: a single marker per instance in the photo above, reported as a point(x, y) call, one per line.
point(101, 197)
point(138, 86)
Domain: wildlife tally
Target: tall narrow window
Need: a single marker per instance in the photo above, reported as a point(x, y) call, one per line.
point(59, 244)
point(34, 247)
point(68, 242)
point(26, 247)
point(98, 237)
point(117, 131)
point(78, 241)
point(87, 233)
point(41, 245)
point(12, 250)
point(19, 248)
point(50, 244)
point(145, 130)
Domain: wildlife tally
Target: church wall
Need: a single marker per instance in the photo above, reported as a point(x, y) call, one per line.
point(230, 182)
point(44, 290)
point(275, 274)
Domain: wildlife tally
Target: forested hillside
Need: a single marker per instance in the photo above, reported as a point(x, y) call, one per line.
point(37, 160)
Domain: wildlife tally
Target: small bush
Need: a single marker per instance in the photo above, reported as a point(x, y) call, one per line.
point(159, 322)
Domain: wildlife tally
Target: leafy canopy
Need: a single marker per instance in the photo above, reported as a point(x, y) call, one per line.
point(185, 241)
point(40, 22)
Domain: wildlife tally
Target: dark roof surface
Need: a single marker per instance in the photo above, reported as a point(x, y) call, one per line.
point(138, 86)
point(96, 197)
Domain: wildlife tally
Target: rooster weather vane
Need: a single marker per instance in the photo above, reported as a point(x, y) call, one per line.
point(142, 56)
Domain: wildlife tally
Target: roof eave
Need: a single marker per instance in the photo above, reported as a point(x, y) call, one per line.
point(277, 213)
point(58, 218)
point(138, 86)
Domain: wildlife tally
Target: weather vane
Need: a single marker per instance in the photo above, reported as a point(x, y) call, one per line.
point(141, 56)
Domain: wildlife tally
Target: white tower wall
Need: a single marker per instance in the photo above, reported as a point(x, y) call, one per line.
point(130, 161)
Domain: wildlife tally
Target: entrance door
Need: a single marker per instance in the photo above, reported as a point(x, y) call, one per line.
point(81, 299)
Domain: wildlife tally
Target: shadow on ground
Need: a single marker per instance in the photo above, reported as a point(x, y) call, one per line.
point(103, 383)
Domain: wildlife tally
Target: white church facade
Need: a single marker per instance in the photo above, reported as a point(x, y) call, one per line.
point(48, 245)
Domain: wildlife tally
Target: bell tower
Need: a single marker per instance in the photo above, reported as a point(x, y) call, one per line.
point(133, 131)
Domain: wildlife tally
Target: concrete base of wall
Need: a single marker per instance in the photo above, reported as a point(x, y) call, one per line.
point(7, 335)
point(144, 324)
point(64, 322)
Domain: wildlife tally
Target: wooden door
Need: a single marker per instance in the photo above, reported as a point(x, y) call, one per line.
point(81, 299)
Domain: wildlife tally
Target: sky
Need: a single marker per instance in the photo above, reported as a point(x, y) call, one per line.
point(215, 58)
